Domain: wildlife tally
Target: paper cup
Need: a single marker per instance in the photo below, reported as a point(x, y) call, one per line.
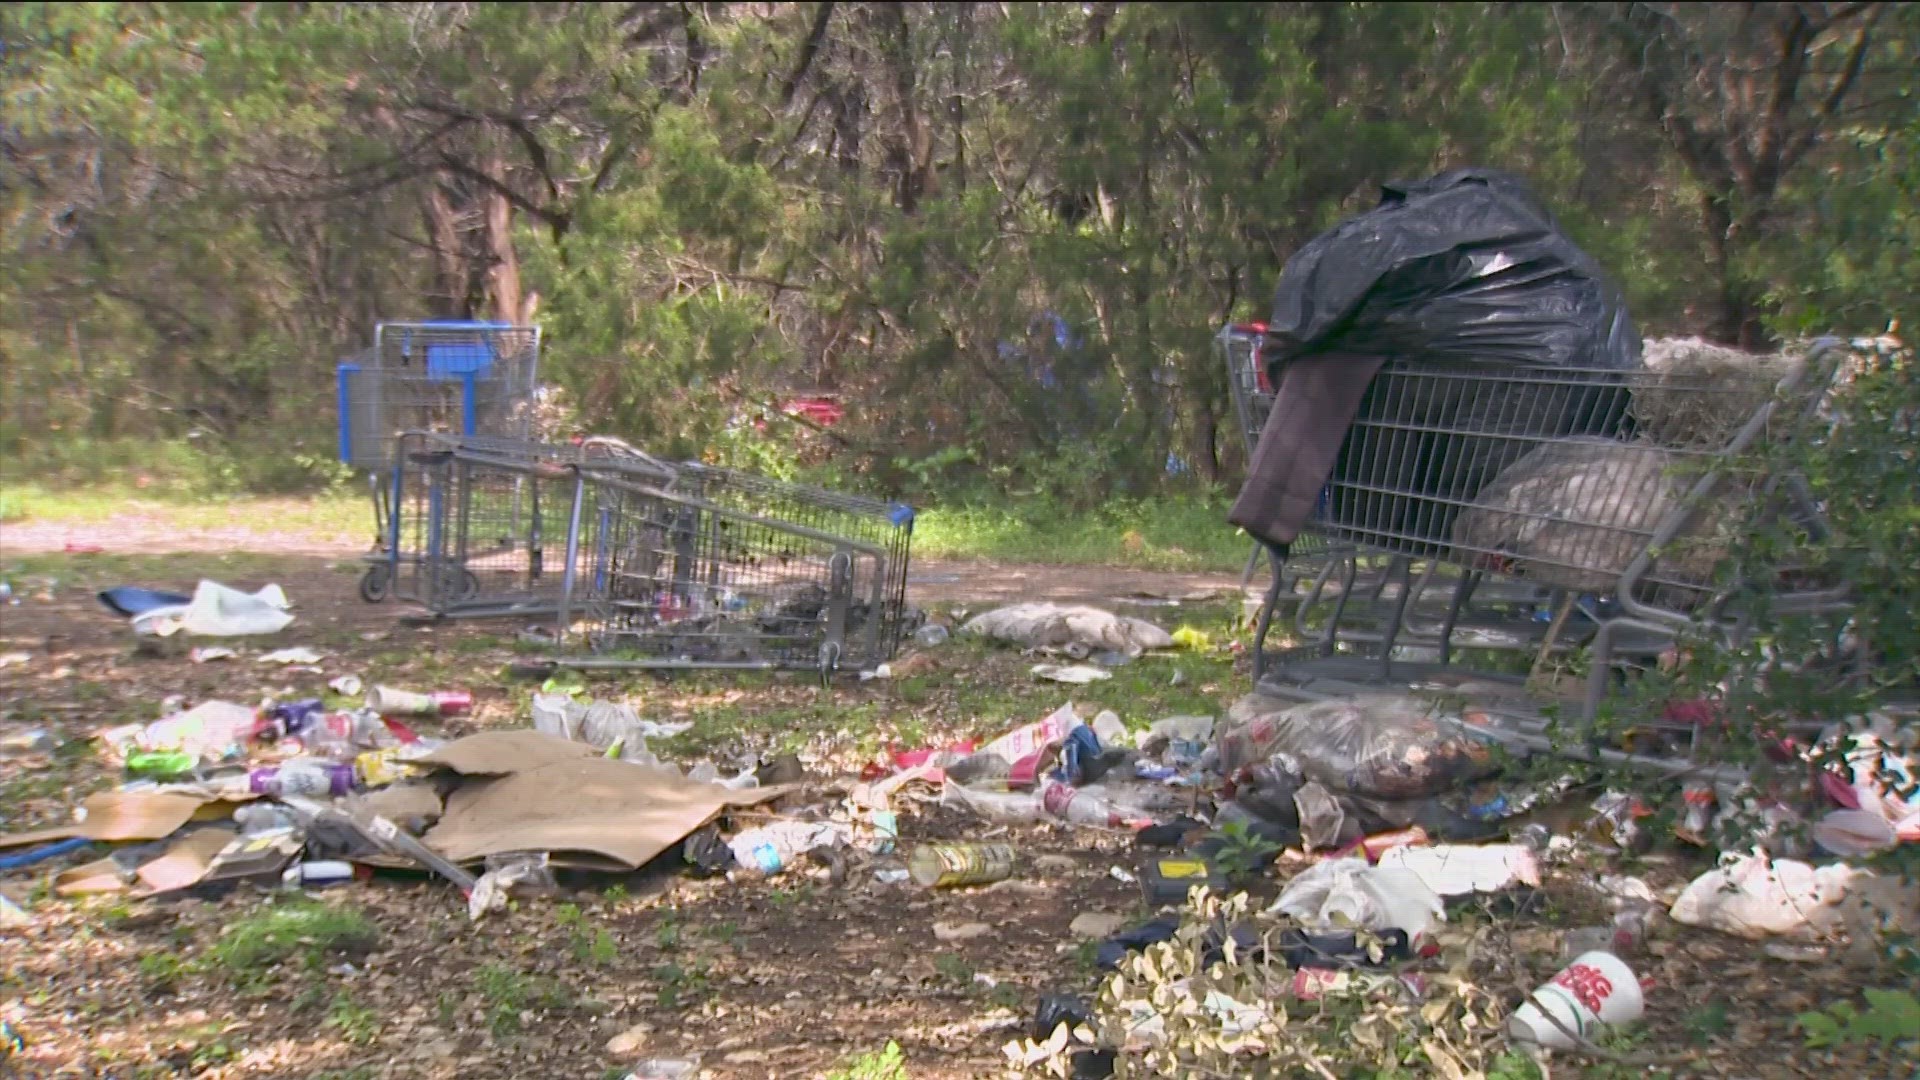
point(1595, 992)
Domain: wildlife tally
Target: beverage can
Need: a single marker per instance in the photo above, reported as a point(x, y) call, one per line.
point(946, 865)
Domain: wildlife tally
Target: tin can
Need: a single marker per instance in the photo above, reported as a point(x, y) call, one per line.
point(936, 866)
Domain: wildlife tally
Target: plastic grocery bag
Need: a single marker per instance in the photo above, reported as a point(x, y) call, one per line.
point(1348, 894)
point(1754, 896)
point(1392, 746)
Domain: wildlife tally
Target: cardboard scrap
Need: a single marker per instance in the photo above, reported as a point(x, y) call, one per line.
point(132, 815)
point(186, 862)
point(259, 858)
point(503, 753)
point(91, 879)
point(621, 812)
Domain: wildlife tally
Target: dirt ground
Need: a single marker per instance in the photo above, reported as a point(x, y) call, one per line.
point(792, 976)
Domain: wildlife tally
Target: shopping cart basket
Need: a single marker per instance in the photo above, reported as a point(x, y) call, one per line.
point(459, 378)
point(726, 569)
point(478, 523)
point(1615, 490)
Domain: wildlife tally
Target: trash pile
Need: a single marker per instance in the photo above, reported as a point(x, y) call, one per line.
point(306, 794)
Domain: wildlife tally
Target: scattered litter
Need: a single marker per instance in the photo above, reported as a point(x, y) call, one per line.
point(1459, 870)
point(1595, 992)
point(1077, 674)
point(1192, 640)
point(935, 866)
point(1122, 875)
point(930, 636)
point(317, 875)
point(1754, 896)
point(951, 932)
point(1322, 821)
point(777, 846)
point(209, 653)
point(894, 876)
point(602, 725)
point(1348, 894)
point(12, 915)
point(8, 660)
point(217, 611)
point(1393, 746)
point(504, 874)
point(388, 701)
point(1079, 631)
point(586, 810)
point(346, 686)
point(292, 656)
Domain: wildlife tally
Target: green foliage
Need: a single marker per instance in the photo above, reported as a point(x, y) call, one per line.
point(208, 206)
point(887, 1063)
point(509, 992)
point(1891, 1016)
point(289, 928)
point(356, 1023)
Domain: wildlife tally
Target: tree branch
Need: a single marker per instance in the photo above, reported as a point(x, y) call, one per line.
point(808, 49)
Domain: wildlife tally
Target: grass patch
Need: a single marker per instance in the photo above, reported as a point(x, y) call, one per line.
point(886, 1063)
point(330, 516)
point(356, 1023)
point(510, 992)
point(1159, 534)
point(289, 928)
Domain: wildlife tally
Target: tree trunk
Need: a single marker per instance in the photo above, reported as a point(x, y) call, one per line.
point(503, 280)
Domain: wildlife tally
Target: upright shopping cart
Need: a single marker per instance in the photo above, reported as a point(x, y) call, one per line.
point(724, 569)
point(463, 378)
point(1238, 347)
point(1616, 490)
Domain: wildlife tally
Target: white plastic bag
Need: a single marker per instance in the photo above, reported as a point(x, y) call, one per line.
point(218, 611)
point(1754, 896)
point(1348, 894)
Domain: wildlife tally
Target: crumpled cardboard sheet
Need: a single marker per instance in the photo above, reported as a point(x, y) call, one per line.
point(587, 810)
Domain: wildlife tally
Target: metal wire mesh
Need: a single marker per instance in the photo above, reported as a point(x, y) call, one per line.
point(1617, 521)
point(459, 378)
point(480, 522)
point(727, 568)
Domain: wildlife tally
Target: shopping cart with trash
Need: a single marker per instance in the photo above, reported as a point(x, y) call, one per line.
point(463, 378)
point(726, 569)
point(1615, 490)
point(478, 524)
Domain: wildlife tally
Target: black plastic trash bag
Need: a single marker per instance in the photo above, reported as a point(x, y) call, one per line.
point(1468, 266)
point(1464, 272)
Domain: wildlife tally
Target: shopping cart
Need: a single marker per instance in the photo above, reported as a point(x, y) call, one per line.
point(723, 569)
point(1314, 569)
point(1615, 491)
point(477, 523)
point(469, 379)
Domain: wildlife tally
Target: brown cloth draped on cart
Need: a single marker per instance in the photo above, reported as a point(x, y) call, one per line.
point(1313, 406)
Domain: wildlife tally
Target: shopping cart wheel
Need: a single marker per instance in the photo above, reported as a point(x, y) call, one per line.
point(377, 583)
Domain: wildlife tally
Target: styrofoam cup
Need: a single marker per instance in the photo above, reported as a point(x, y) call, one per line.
point(1594, 992)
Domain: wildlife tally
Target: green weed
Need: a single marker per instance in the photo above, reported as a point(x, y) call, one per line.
point(887, 1063)
point(509, 992)
point(290, 928)
point(356, 1023)
point(1891, 1016)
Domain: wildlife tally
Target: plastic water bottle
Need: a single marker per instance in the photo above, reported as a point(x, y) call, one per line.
point(930, 636)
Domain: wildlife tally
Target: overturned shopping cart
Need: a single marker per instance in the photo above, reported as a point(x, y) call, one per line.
point(1614, 491)
point(478, 525)
point(716, 568)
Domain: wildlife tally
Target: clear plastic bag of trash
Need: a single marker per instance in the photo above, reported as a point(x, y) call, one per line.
point(600, 724)
point(505, 874)
point(1392, 746)
point(1348, 894)
point(1077, 630)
